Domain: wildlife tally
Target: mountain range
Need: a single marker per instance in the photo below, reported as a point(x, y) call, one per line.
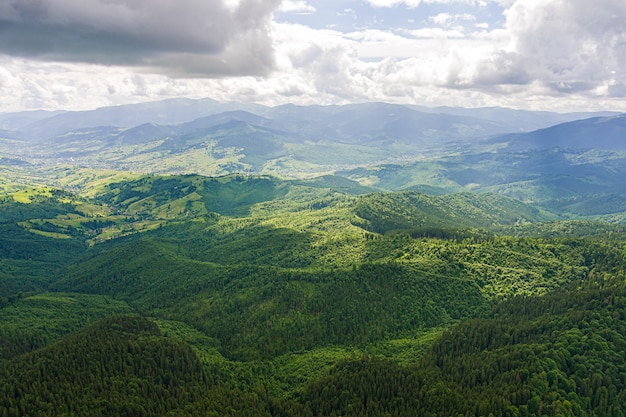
point(251, 295)
point(193, 258)
point(355, 123)
point(569, 163)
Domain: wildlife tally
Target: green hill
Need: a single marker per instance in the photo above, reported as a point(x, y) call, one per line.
point(261, 296)
point(410, 210)
point(561, 355)
point(119, 367)
point(574, 183)
point(294, 276)
point(233, 195)
point(29, 322)
point(33, 250)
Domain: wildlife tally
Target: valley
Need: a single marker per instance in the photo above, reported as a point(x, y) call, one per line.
point(188, 258)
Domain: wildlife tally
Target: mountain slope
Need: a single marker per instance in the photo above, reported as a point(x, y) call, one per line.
point(410, 210)
point(166, 112)
point(516, 120)
point(295, 269)
point(370, 123)
point(562, 354)
point(120, 366)
point(260, 296)
point(570, 183)
point(391, 147)
point(595, 133)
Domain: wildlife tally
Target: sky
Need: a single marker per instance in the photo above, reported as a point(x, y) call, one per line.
point(557, 55)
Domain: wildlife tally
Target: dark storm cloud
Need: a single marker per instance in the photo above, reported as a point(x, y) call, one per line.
point(174, 37)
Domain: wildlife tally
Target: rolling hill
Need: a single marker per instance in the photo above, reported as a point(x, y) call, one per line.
point(187, 258)
point(381, 146)
point(270, 297)
point(594, 133)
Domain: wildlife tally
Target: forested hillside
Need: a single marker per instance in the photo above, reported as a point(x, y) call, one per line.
point(251, 295)
point(560, 355)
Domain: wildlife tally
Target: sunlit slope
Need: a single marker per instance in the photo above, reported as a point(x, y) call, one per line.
point(562, 354)
point(32, 248)
point(410, 210)
point(301, 272)
point(569, 182)
point(304, 298)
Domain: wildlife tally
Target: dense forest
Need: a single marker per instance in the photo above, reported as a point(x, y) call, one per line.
point(187, 295)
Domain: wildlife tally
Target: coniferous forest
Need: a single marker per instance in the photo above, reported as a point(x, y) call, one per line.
point(249, 295)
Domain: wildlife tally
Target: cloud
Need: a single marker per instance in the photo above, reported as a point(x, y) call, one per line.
point(393, 3)
point(445, 19)
point(552, 47)
point(441, 19)
point(549, 51)
point(549, 54)
point(296, 6)
point(172, 37)
point(569, 46)
point(415, 3)
point(430, 33)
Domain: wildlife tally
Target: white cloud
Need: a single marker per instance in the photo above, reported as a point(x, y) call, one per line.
point(437, 33)
point(393, 3)
point(571, 45)
point(445, 19)
point(441, 18)
point(552, 47)
point(550, 54)
point(415, 3)
point(296, 6)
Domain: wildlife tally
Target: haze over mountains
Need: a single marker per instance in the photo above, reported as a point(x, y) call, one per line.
point(379, 145)
point(592, 133)
point(486, 121)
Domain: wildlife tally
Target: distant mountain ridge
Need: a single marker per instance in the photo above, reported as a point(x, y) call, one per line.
point(592, 133)
point(530, 120)
point(486, 121)
point(379, 145)
point(165, 112)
